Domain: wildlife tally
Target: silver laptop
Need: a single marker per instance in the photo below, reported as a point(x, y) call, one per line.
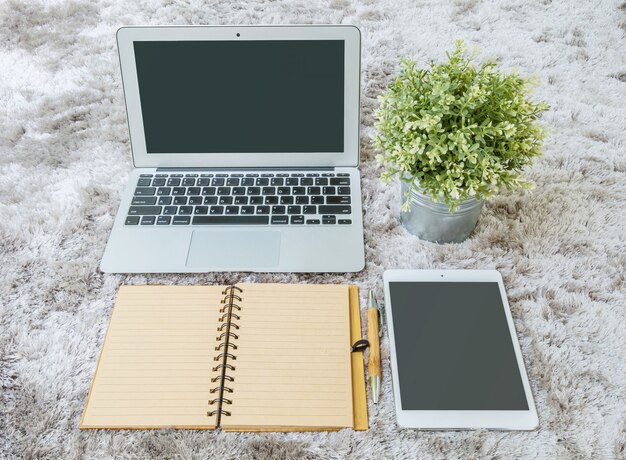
point(245, 143)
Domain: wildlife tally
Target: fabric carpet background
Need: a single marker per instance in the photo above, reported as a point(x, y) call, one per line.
point(65, 157)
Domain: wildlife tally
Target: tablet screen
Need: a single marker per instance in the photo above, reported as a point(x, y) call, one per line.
point(454, 348)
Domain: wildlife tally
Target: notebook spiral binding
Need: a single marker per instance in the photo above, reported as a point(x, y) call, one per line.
point(226, 337)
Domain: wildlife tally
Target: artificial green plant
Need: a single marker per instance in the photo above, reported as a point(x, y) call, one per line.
point(458, 130)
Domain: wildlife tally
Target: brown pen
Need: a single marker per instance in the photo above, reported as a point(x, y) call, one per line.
point(373, 336)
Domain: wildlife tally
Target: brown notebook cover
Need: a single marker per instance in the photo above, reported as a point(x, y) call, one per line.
point(250, 357)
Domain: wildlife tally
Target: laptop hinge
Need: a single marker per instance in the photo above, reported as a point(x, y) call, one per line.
point(256, 168)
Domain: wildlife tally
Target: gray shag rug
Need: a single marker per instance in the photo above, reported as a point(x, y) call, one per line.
point(65, 156)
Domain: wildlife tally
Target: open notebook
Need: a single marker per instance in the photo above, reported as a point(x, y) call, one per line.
point(250, 357)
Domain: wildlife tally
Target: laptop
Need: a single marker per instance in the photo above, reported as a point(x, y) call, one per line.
point(245, 145)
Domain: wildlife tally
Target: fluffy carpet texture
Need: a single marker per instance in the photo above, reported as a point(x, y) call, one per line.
point(65, 156)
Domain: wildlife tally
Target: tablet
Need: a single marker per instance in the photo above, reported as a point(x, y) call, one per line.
point(455, 358)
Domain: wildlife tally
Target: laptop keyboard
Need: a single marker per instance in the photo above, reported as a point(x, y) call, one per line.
point(306, 198)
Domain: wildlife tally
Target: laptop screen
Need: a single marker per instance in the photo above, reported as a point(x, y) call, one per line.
point(241, 96)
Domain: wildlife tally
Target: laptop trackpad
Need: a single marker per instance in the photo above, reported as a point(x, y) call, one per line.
point(234, 250)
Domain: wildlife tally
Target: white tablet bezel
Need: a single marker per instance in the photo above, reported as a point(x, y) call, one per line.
point(461, 419)
point(352, 61)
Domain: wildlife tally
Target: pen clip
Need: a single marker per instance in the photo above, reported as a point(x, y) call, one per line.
point(373, 303)
point(381, 321)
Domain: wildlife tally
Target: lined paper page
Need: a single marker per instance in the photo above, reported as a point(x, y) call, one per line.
point(155, 366)
point(293, 366)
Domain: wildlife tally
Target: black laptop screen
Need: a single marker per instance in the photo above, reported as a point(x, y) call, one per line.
point(242, 96)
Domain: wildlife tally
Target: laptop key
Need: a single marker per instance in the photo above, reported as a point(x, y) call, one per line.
point(298, 191)
point(132, 220)
point(210, 200)
point(170, 210)
point(176, 175)
point(343, 191)
point(164, 191)
point(262, 181)
point(145, 191)
point(309, 210)
point(191, 175)
point(185, 210)
point(164, 220)
point(338, 199)
point(144, 200)
point(209, 191)
point(247, 210)
point(216, 210)
point(321, 181)
point(292, 181)
point(226, 200)
point(313, 221)
point(232, 182)
point(254, 191)
point(329, 190)
point(232, 209)
point(344, 221)
point(343, 175)
point(180, 200)
point(145, 175)
point(317, 200)
point(230, 220)
point(236, 175)
point(313, 190)
point(178, 191)
point(340, 181)
point(300, 199)
point(262, 209)
point(281, 220)
point(329, 220)
point(189, 182)
point(306, 181)
point(283, 190)
point(297, 220)
point(267, 175)
point(148, 220)
point(201, 210)
point(328, 174)
point(286, 199)
point(223, 190)
point(335, 209)
point(221, 175)
point(144, 182)
point(173, 182)
point(181, 220)
point(165, 200)
point(241, 200)
point(276, 181)
point(247, 182)
point(193, 191)
point(278, 210)
point(294, 209)
point(194, 199)
point(158, 182)
point(238, 191)
point(144, 210)
point(268, 191)
point(271, 200)
point(203, 181)
point(217, 182)
point(256, 200)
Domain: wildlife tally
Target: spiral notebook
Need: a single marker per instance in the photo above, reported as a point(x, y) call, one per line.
point(247, 357)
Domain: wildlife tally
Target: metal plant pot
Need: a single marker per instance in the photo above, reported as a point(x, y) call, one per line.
point(432, 221)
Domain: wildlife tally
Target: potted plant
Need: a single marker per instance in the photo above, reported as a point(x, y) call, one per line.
point(455, 133)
